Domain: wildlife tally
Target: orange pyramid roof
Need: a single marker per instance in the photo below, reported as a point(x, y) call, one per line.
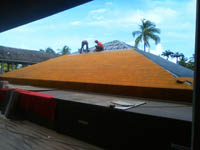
point(113, 71)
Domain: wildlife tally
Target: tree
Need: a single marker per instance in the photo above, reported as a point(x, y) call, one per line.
point(167, 53)
point(177, 55)
point(50, 50)
point(41, 50)
point(147, 30)
point(192, 58)
point(65, 50)
point(190, 63)
point(183, 61)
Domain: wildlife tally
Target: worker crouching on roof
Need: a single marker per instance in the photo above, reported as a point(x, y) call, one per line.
point(99, 46)
point(84, 43)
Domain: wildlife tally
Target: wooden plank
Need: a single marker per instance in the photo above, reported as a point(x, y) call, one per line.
point(17, 135)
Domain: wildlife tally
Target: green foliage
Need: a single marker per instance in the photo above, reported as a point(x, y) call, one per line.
point(190, 65)
point(147, 30)
point(178, 55)
point(183, 61)
point(167, 54)
point(65, 50)
point(180, 59)
point(41, 50)
point(50, 51)
point(186, 63)
point(8, 67)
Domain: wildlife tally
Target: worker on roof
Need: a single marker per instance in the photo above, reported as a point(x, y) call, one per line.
point(99, 46)
point(84, 43)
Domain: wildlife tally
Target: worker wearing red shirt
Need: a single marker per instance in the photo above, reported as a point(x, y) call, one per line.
point(99, 46)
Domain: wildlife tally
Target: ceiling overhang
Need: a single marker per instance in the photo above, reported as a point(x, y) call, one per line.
point(14, 13)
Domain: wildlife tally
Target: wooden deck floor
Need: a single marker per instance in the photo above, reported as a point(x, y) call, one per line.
point(24, 135)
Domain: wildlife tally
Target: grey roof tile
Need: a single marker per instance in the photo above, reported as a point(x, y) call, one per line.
point(22, 55)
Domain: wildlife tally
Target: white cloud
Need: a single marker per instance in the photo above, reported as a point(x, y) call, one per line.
point(158, 50)
point(22, 46)
point(96, 17)
point(157, 15)
point(100, 23)
point(132, 43)
point(191, 7)
point(22, 29)
point(97, 11)
point(127, 19)
point(172, 60)
point(108, 3)
point(99, 17)
point(179, 35)
point(76, 23)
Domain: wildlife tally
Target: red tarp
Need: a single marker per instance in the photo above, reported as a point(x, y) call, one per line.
point(39, 103)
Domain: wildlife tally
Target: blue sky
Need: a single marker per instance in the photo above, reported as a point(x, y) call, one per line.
point(107, 20)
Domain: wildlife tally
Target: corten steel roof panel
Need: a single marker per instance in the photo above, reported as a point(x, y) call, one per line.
point(175, 69)
point(106, 70)
point(120, 68)
point(14, 13)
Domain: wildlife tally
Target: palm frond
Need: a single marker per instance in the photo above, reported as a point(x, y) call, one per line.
point(138, 40)
point(146, 32)
point(149, 24)
point(154, 30)
point(154, 37)
point(136, 33)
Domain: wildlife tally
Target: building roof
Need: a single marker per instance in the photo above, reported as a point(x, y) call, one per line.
point(125, 72)
point(16, 55)
point(115, 45)
point(175, 69)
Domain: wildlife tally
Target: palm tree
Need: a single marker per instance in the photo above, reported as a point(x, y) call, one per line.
point(190, 63)
point(183, 61)
point(191, 59)
point(177, 55)
point(50, 51)
point(167, 53)
point(65, 50)
point(182, 56)
point(41, 50)
point(147, 30)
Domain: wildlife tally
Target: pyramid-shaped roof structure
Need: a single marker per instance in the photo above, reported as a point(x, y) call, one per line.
point(176, 69)
point(125, 72)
